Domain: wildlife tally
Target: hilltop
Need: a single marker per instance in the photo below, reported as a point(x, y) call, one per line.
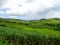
point(39, 24)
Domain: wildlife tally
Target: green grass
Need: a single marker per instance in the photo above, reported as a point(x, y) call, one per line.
point(38, 32)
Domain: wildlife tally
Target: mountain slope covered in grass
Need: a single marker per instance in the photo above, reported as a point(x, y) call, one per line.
point(33, 32)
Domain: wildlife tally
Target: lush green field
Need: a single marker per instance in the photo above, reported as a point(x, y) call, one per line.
point(33, 32)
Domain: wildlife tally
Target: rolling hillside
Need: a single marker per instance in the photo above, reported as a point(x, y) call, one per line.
point(33, 32)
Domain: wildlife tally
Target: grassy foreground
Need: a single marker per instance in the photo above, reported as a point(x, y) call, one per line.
point(36, 32)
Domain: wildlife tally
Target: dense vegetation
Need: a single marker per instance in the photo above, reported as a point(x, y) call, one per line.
point(33, 32)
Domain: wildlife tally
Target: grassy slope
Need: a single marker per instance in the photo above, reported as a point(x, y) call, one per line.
point(49, 28)
point(39, 26)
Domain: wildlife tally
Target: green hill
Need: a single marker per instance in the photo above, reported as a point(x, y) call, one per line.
point(33, 32)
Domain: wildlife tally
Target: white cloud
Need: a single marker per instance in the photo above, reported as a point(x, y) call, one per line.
point(32, 9)
point(34, 6)
point(1, 12)
point(53, 14)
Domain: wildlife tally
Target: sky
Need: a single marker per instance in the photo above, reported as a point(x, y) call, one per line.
point(30, 9)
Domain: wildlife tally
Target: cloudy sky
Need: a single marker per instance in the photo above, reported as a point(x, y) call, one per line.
point(30, 9)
